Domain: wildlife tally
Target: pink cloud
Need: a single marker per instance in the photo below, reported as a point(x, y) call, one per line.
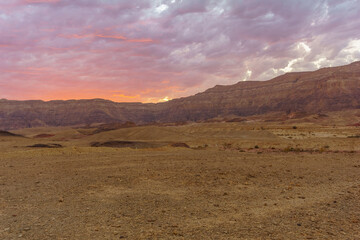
point(140, 50)
point(112, 36)
point(42, 1)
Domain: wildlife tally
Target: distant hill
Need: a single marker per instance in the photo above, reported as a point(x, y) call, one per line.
point(8, 134)
point(327, 89)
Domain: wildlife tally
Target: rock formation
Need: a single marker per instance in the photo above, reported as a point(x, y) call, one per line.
point(327, 89)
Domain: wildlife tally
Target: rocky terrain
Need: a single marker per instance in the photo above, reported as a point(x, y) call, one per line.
point(240, 180)
point(327, 89)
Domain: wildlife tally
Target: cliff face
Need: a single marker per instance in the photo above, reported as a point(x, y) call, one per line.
point(324, 90)
point(19, 114)
point(327, 89)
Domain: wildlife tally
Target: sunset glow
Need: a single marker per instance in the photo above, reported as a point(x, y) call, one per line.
point(153, 51)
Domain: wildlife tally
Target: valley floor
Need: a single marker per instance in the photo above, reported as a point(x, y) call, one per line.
point(237, 182)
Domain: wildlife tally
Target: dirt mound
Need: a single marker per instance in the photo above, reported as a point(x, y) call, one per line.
point(114, 126)
point(8, 134)
point(143, 134)
point(41, 145)
point(129, 144)
point(179, 144)
point(44, 135)
point(354, 136)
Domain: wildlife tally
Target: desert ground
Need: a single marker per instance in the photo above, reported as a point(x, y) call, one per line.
point(293, 179)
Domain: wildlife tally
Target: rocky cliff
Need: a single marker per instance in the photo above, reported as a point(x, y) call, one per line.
point(327, 89)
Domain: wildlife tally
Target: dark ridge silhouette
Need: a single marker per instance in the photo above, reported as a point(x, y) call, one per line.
point(9, 134)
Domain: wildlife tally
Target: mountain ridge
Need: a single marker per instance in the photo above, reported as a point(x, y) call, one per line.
point(326, 89)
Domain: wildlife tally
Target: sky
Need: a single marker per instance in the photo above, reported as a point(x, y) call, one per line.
point(156, 50)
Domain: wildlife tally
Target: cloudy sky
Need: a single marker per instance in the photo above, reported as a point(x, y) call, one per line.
point(153, 50)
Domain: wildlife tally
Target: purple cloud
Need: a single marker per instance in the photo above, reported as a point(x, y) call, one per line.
point(143, 50)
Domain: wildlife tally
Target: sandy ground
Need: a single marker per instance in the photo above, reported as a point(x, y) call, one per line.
point(237, 181)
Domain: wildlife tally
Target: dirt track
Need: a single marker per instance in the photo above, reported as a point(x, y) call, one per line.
point(219, 192)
